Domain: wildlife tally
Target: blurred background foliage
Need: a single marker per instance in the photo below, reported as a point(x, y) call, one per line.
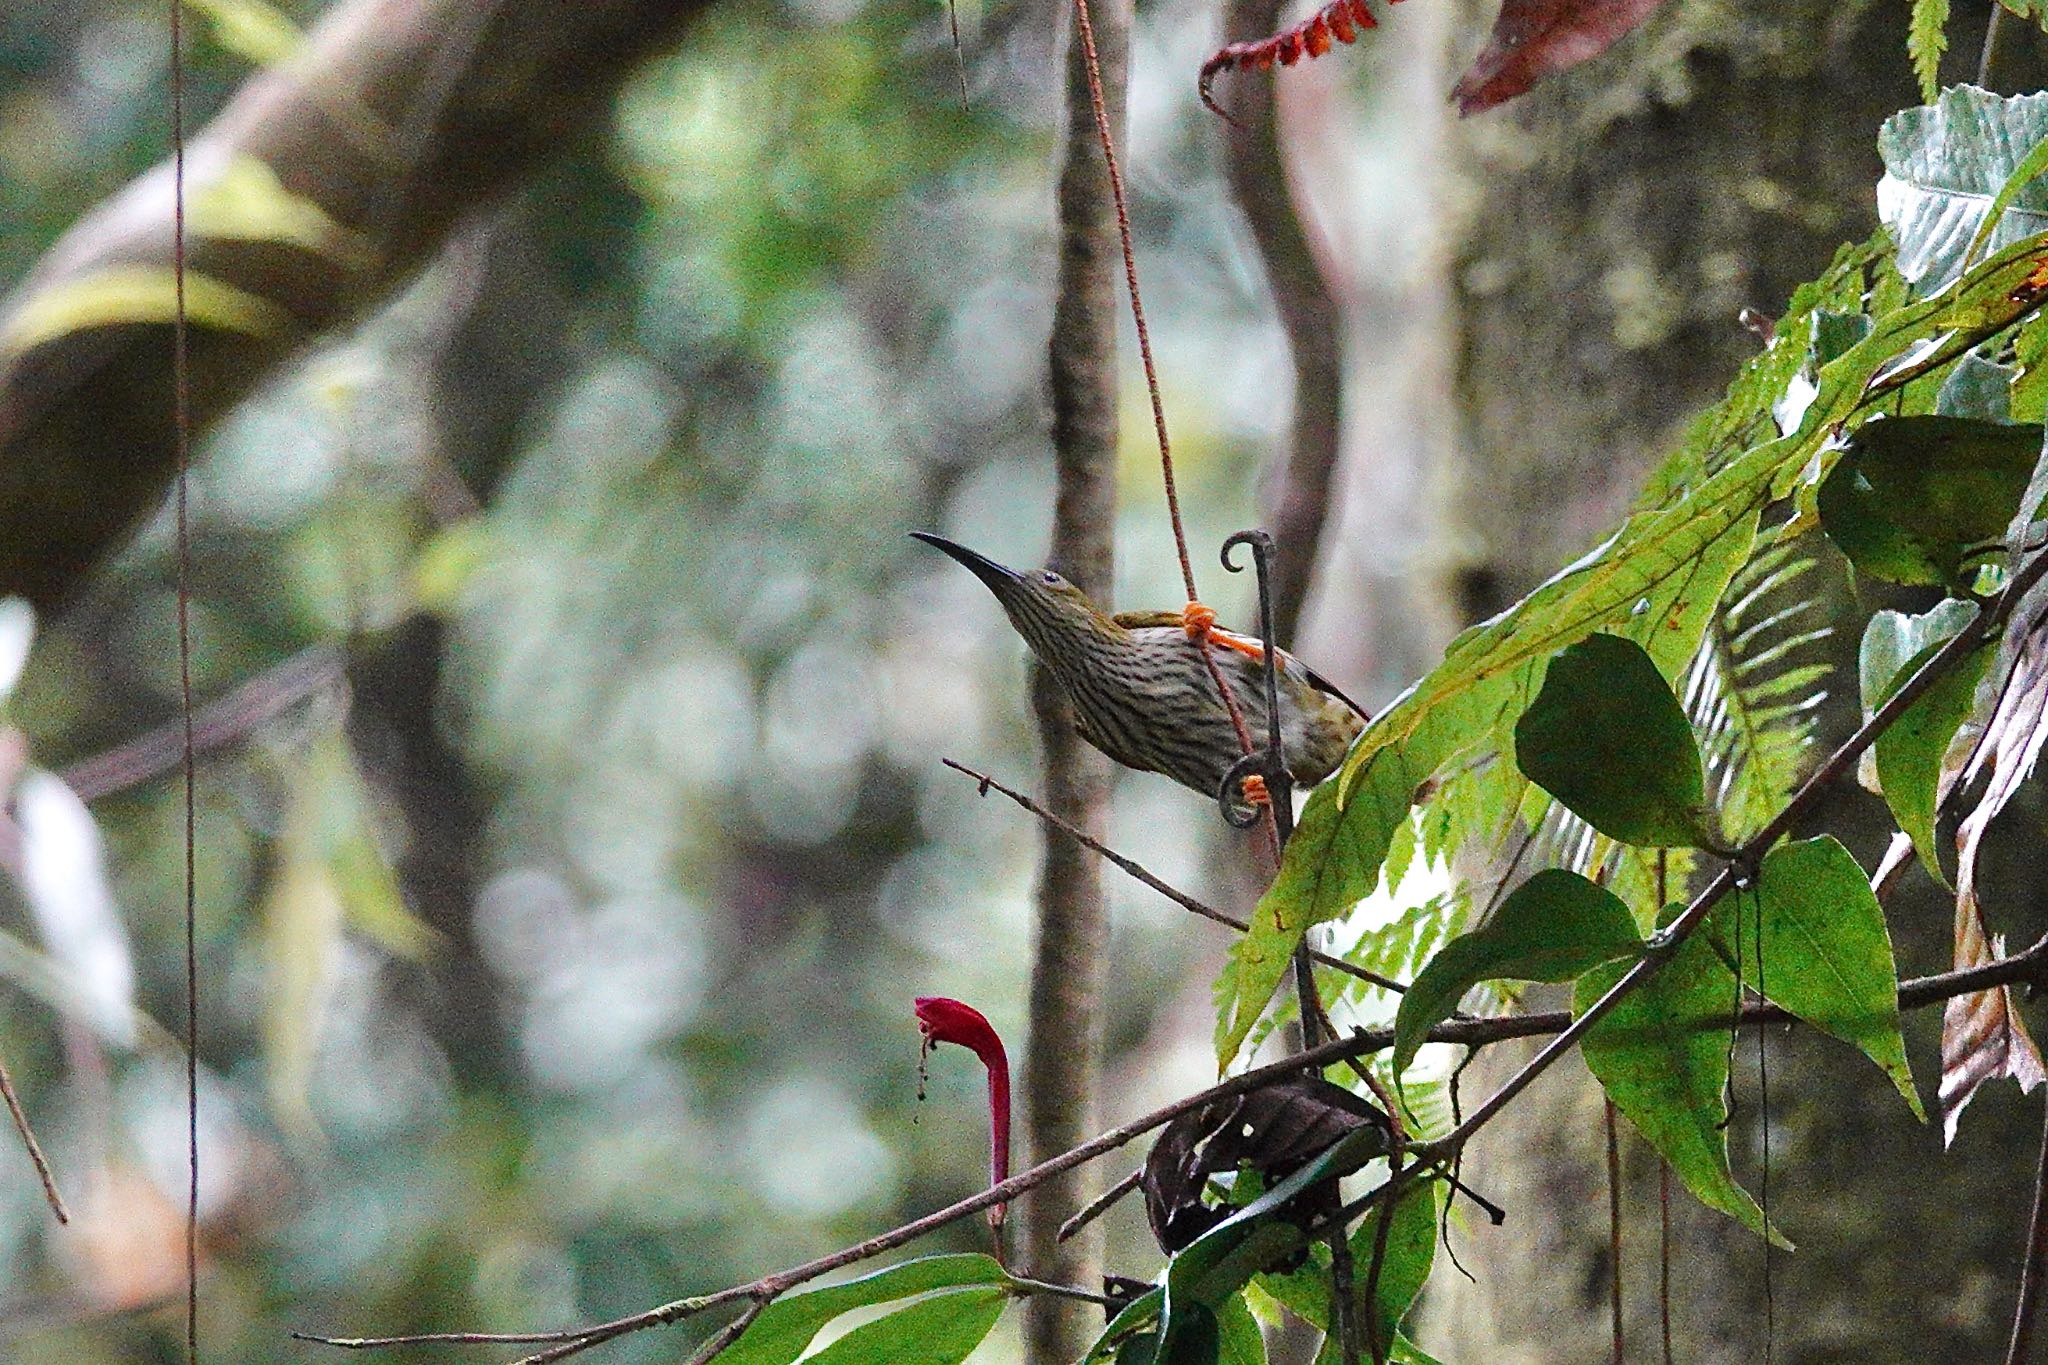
point(574, 839)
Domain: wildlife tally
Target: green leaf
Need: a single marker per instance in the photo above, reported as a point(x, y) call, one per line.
point(1926, 40)
point(1133, 1322)
point(1554, 926)
point(1662, 1056)
point(1411, 1251)
point(1908, 756)
point(1239, 1338)
point(941, 1330)
point(1917, 500)
point(1332, 862)
point(1979, 388)
point(1608, 740)
point(252, 29)
point(785, 1327)
point(1945, 167)
point(1222, 1261)
point(1820, 951)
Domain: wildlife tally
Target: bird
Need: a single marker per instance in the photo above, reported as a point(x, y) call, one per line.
point(1141, 693)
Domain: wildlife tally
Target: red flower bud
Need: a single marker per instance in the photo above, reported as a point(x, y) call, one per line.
point(949, 1021)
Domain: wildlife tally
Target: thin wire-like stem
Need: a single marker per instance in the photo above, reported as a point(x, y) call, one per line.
point(1613, 1225)
point(1994, 34)
point(2025, 1310)
point(1138, 872)
point(181, 418)
point(1664, 1257)
point(34, 1148)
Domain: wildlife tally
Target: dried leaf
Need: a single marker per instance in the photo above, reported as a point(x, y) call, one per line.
point(1537, 38)
point(1982, 1036)
point(1275, 1130)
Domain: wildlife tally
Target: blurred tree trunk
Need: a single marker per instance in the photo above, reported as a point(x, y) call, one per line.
point(1618, 218)
point(350, 164)
point(1063, 1066)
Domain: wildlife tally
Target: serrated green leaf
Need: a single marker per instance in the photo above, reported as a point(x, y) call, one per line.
point(1926, 40)
point(1662, 1056)
point(1553, 927)
point(785, 1327)
point(1918, 500)
point(1607, 738)
point(1819, 950)
point(1946, 164)
point(943, 1329)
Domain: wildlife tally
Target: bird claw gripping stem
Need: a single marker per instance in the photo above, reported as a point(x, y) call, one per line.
point(1247, 789)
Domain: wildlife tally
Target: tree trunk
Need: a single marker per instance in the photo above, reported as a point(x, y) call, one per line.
point(1620, 216)
point(1063, 1067)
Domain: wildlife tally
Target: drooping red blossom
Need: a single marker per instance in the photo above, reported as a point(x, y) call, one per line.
point(1339, 21)
point(943, 1020)
point(1537, 38)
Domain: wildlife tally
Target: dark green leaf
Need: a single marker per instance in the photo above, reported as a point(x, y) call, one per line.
point(1609, 741)
point(785, 1327)
point(1916, 499)
point(1131, 1324)
point(941, 1330)
point(1662, 1056)
point(1945, 163)
point(1554, 926)
point(1825, 955)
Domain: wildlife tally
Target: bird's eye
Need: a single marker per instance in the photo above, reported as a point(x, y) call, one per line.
point(1049, 578)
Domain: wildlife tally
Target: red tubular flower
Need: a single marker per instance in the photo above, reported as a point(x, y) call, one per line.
point(948, 1021)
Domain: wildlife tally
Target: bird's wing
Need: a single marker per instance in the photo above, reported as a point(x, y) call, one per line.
point(1143, 620)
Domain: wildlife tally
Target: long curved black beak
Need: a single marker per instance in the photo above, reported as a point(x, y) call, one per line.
point(997, 576)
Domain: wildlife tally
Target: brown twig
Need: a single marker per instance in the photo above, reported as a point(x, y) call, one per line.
point(1140, 873)
point(2028, 966)
point(34, 1148)
point(2023, 1312)
point(1101, 1204)
point(218, 724)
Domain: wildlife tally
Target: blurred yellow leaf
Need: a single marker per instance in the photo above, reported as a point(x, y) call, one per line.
point(138, 293)
point(245, 202)
point(251, 29)
point(447, 562)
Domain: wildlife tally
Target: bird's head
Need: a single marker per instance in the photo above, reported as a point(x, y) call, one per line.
point(1047, 610)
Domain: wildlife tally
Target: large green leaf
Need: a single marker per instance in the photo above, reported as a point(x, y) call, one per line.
point(1239, 1341)
point(943, 1329)
point(1908, 756)
point(1662, 1056)
point(1818, 949)
point(1609, 741)
point(785, 1327)
point(1945, 163)
point(1132, 1323)
point(1553, 927)
point(1332, 862)
point(1918, 500)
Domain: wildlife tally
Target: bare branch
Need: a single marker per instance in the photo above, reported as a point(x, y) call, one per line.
point(34, 1148)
